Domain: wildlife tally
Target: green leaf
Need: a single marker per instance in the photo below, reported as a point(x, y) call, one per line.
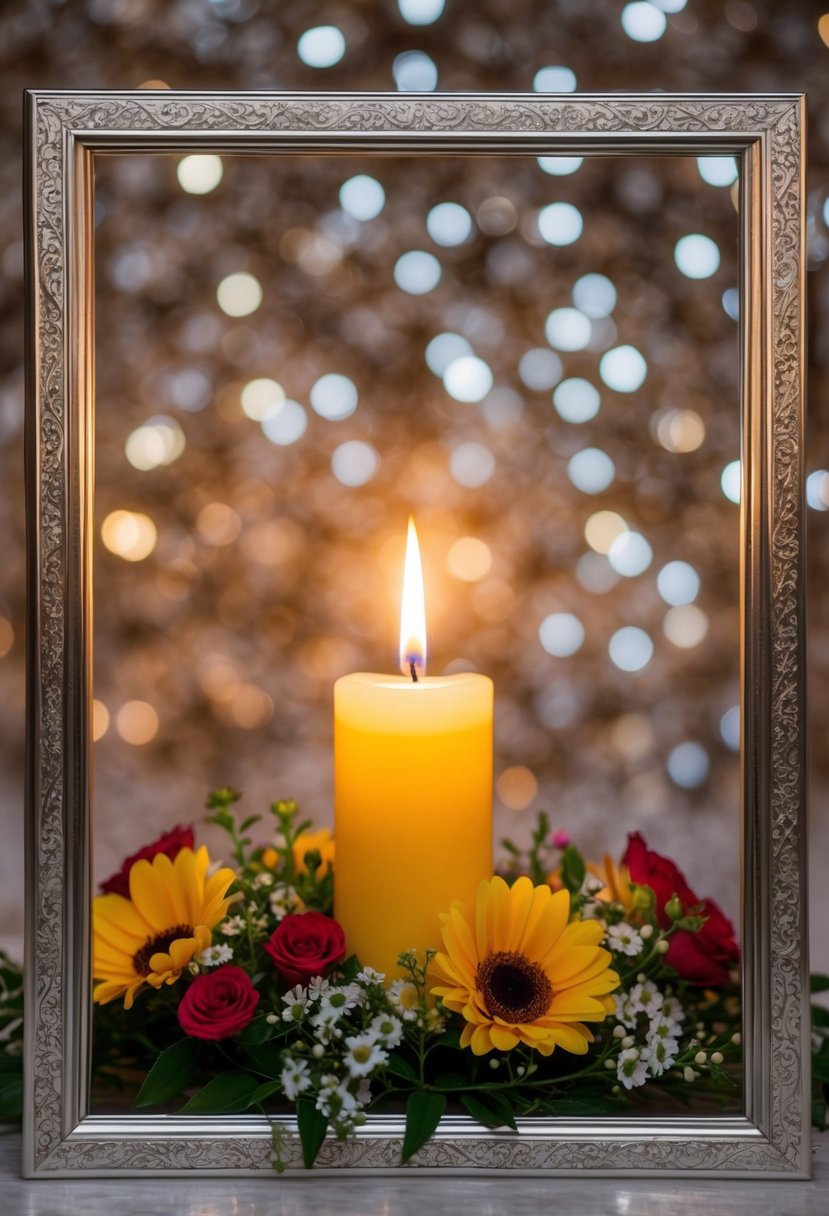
point(819, 983)
point(572, 869)
point(820, 1016)
point(820, 1068)
point(249, 822)
point(423, 1114)
point(450, 1081)
point(312, 1126)
point(265, 1091)
point(228, 1093)
point(264, 1059)
point(11, 1093)
point(400, 1068)
point(257, 1032)
point(488, 1112)
point(171, 1073)
point(819, 1113)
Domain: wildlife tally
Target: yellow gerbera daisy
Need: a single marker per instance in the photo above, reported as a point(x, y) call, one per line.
point(618, 886)
point(152, 936)
point(521, 973)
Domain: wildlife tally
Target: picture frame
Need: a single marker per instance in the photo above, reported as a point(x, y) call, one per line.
point(65, 132)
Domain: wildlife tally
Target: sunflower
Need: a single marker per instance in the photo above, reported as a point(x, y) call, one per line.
point(152, 936)
point(521, 973)
point(618, 886)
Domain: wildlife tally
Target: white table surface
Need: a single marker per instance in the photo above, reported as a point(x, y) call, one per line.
point(409, 1196)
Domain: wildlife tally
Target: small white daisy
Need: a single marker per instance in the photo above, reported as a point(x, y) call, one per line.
point(369, 976)
point(387, 1029)
point(632, 1068)
point(295, 1079)
point(646, 998)
point(624, 939)
point(232, 927)
point(214, 956)
point(403, 995)
point(364, 1055)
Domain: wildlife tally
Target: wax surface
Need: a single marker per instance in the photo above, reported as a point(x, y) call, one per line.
point(413, 807)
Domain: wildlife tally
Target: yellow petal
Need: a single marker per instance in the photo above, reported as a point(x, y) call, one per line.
point(480, 1041)
point(502, 1038)
point(151, 895)
point(547, 931)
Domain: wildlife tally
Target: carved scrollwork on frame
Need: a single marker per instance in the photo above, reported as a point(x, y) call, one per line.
point(62, 123)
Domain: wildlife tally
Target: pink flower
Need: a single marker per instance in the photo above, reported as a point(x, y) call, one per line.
point(561, 839)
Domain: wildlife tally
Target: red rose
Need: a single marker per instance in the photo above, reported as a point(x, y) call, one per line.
point(305, 944)
point(218, 1003)
point(170, 843)
point(705, 957)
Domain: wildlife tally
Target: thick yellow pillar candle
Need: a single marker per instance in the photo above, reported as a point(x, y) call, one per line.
point(413, 794)
point(413, 799)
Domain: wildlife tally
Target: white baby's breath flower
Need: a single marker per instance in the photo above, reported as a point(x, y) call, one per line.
point(265, 879)
point(645, 997)
point(625, 1012)
point(369, 976)
point(283, 900)
point(318, 988)
point(387, 1029)
point(632, 1068)
point(672, 1008)
point(404, 997)
point(325, 1025)
point(232, 927)
point(295, 1002)
point(295, 1078)
point(364, 1055)
point(624, 939)
point(335, 1098)
point(214, 956)
point(660, 1054)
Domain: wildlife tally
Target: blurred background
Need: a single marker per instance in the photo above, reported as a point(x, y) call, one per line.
point(538, 358)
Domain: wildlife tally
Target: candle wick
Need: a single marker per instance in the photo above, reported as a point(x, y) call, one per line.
point(413, 670)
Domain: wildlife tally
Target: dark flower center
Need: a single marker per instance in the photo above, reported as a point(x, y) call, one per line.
point(159, 944)
point(513, 988)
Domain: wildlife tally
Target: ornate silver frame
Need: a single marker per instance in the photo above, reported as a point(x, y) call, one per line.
point(65, 131)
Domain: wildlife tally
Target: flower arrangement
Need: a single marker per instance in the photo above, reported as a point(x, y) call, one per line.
point(570, 988)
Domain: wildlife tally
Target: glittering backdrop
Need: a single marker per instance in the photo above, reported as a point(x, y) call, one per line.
point(537, 359)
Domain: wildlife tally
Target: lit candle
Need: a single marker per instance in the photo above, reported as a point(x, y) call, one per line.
point(413, 793)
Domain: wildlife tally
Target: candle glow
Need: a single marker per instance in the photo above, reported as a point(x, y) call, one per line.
point(413, 610)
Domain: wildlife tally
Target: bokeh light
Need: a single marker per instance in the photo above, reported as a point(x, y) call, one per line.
point(322, 46)
point(560, 223)
point(137, 723)
point(630, 648)
point(469, 559)
point(362, 197)
point(200, 173)
point(129, 534)
point(334, 396)
point(688, 765)
point(417, 272)
point(516, 787)
point(354, 463)
point(577, 400)
point(239, 294)
point(415, 72)
point(467, 378)
point(623, 369)
point(697, 256)
point(561, 634)
point(567, 329)
point(449, 224)
point(643, 22)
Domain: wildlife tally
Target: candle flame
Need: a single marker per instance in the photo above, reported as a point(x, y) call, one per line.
point(413, 610)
